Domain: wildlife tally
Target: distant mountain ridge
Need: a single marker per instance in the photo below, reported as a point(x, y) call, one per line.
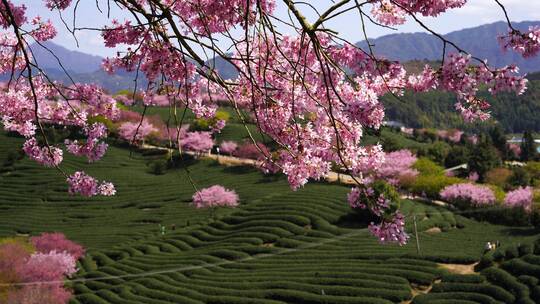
point(480, 41)
point(73, 61)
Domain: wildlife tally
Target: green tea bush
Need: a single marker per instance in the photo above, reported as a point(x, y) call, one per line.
point(431, 185)
point(506, 281)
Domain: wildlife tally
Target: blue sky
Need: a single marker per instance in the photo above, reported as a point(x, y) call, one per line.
point(475, 13)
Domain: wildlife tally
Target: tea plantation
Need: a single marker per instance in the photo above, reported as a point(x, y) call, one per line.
point(279, 246)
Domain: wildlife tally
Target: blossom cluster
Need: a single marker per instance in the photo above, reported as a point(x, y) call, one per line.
point(55, 241)
point(521, 197)
point(82, 183)
point(475, 195)
point(527, 44)
point(367, 198)
point(215, 196)
point(395, 12)
point(93, 149)
point(215, 16)
point(391, 231)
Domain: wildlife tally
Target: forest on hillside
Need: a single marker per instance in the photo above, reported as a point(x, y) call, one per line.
point(435, 109)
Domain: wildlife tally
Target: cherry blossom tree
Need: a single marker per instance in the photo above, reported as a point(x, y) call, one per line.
point(310, 91)
point(37, 277)
point(228, 147)
point(215, 196)
point(136, 132)
point(471, 194)
point(47, 242)
point(521, 197)
point(197, 141)
point(397, 165)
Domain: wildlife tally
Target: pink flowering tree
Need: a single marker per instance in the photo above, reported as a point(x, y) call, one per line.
point(228, 147)
point(37, 277)
point(135, 132)
point(397, 165)
point(197, 141)
point(521, 197)
point(214, 197)
point(312, 92)
point(56, 241)
point(468, 195)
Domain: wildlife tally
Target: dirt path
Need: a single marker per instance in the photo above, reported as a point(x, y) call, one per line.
point(458, 268)
point(417, 290)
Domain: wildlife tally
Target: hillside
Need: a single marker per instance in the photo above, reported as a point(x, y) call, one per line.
point(277, 247)
point(436, 110)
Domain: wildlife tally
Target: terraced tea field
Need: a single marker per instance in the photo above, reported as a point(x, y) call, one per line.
point(277, 247)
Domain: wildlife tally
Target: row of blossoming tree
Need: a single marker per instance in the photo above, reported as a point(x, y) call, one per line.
point(312, 92)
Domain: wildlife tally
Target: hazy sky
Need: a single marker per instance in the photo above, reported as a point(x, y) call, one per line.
point(475, 13)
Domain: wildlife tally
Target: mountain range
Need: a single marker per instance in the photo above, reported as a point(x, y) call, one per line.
point(480, 41)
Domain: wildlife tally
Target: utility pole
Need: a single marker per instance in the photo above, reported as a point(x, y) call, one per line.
point(416, 236)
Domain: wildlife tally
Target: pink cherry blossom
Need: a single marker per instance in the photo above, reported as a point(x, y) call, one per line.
point(52, 266)
point(92, 148)
point(47, 242)
point(476, 195)
point(387, 13)
point(47, 156)
point(397, 164)
point(391, 230)
point(228, 147)
point(41, 293)
point(80, 182)
point(527, 43)
point(215, 196)
point(521, 197)
point(197, 141)
point(366, 198)
point(136, 131)
point(515, 149)
point(473, 176)
point(44, 31)
point(57, 4)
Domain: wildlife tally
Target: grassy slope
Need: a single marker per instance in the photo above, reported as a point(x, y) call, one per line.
point(345, 264)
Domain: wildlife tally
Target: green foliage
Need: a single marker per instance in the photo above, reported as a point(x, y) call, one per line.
point(431, 185)
point(427, 167)
point(456, 156)
point(107, 122)
point(438, 151)
point(533, 167)
point(435, 109)
point(498, 192)
point(519, 177)
point(528, 147)
point(484, 158)
point(157, 167)
point(499, 139)
point(204, 124)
